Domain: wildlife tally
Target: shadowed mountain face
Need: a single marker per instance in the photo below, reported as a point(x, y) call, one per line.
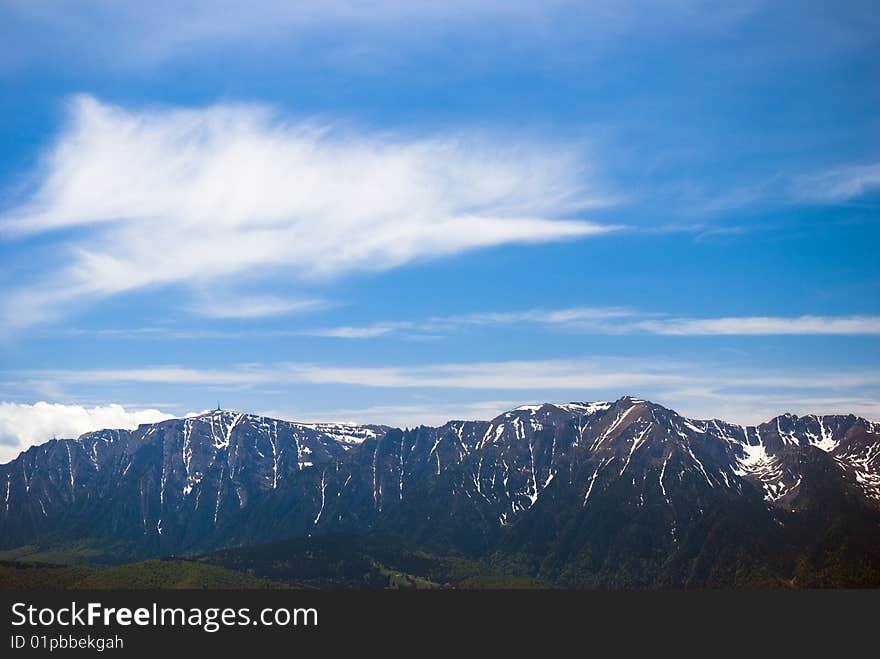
point(626, 493)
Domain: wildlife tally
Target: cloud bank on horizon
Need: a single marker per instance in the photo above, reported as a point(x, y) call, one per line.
point(403, 213)
point(24, 425)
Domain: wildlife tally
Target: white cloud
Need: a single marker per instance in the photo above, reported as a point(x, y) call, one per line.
point(605, 320)
point(365, 332)
point(251, 306)
point(839, 184)
point(507, 375)
point(171, 196)
point(611, 374)
point(353, 32)
point(741, 394)
point(22, 425)
point(541, 316)
point(763, 325)
point(576, 320)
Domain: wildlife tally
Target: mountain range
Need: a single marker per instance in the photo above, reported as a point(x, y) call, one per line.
point(604, 494)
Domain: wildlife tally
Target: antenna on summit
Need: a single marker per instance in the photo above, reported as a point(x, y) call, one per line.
point(218, 405)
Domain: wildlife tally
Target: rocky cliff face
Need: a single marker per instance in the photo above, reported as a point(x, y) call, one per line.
point(556, 487)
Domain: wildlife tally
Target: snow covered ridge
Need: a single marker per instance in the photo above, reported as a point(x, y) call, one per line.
point(345, 433)
point(574, 408)
point(818, 431)
point(197, 481)
point(768, 454)
point(762, 454)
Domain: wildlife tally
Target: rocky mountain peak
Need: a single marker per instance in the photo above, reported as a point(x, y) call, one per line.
point(226, 477)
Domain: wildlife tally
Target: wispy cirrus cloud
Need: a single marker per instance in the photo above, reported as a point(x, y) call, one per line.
point(574, 320)
point(157, 197)
point(244, 306)
point(121, 35)
point(609, 373)
point(508, 375)
point(362, 332)
point(427, 392)
point(838, 184)
point(763, 326)
point(790, 187)
point(612, 320)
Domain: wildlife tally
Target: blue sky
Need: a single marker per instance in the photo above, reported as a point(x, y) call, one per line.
point(364, 212)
